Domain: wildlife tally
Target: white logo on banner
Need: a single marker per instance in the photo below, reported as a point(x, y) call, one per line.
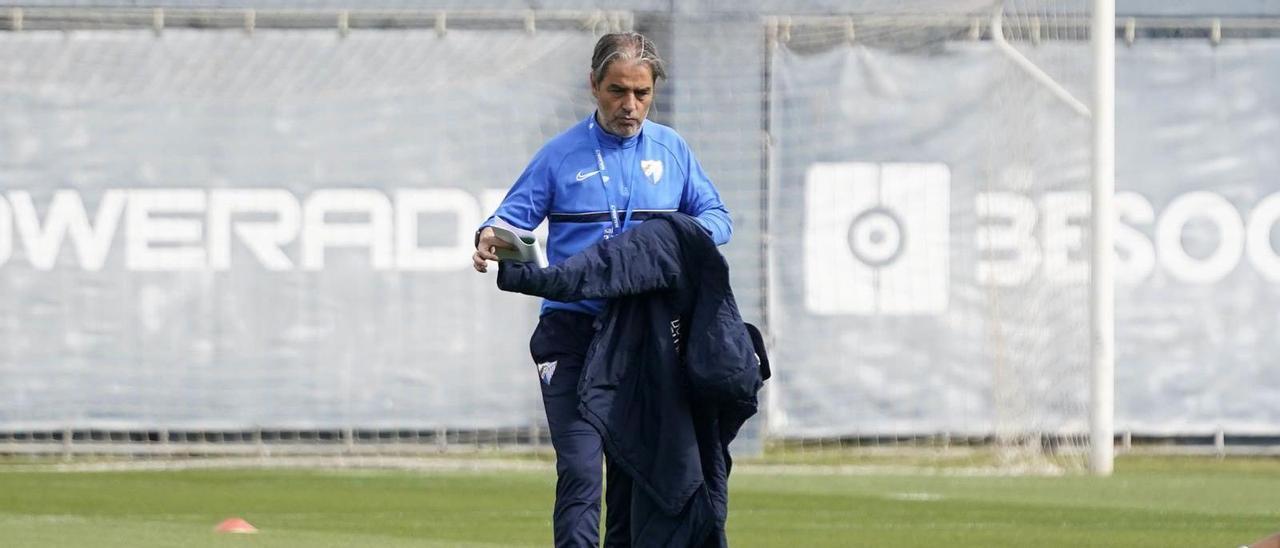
point(876, 238)
point(652, 169)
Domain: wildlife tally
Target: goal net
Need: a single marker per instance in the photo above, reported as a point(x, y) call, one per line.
point(929, 233)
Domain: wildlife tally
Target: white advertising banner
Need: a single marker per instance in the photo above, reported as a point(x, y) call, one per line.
point(208, 229)
point(931, 227)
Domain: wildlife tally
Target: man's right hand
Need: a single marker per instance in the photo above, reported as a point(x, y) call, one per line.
point(486, 249)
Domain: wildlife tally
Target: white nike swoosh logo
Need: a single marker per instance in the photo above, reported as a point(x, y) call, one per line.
point(583, 176)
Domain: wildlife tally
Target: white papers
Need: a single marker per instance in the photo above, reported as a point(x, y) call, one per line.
point(526, 247)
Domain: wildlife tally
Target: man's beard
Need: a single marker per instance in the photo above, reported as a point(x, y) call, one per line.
point(621, 129)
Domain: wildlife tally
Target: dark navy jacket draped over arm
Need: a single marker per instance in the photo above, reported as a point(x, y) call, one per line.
point(671, 375)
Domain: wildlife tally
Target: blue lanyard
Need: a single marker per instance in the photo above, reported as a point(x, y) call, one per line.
point(604, 179)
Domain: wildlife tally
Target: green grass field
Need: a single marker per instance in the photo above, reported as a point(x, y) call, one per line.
point(1164, 502)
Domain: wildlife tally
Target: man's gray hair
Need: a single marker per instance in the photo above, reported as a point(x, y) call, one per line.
point(627, 46)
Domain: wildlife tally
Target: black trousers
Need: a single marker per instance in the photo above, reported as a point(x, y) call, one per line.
point(559, 346)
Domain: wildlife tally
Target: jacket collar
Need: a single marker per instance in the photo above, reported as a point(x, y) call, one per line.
point(609, 140)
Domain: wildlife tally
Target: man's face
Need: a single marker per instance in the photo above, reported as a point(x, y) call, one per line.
point(623, 96)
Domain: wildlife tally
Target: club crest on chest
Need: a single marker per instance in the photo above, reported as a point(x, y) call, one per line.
point(652, 169)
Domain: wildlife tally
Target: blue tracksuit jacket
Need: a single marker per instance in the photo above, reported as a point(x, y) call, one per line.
point(651, 172)
point(671, 375)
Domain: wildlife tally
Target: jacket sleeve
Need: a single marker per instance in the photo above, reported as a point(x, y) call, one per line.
point(529, 199)
point(643, 259)
point(701, 200)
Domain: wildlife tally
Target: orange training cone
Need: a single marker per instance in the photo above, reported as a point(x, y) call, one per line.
point(235, 525)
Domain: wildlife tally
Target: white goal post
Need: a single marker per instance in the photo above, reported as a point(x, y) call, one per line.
point(1101, 111)
point(1102, 281)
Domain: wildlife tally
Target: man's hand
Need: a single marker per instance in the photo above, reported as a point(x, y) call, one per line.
point(486, 249)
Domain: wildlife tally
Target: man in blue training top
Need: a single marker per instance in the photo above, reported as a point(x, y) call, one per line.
point(603, 175)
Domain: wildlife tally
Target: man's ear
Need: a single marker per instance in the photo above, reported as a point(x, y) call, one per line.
point(591, 81)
